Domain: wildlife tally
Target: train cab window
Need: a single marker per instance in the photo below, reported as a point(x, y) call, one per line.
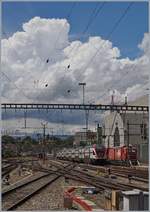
point(93, 152)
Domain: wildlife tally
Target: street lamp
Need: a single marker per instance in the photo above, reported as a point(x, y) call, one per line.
point(83, 84)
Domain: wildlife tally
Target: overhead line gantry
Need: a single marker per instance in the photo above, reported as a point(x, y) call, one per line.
point(46, 106)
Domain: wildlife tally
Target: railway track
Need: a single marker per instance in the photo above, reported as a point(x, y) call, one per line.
point(100, 182)
point(139, 175)
point(133, 171)
point(10, 165)
point(17, 195)
point(8, 168)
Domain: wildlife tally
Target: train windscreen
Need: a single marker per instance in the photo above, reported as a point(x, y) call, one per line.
point(100, 151)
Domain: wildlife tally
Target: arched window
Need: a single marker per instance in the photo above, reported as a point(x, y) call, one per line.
point(116, 136)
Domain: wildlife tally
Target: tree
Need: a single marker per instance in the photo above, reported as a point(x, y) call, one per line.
point(8, 139)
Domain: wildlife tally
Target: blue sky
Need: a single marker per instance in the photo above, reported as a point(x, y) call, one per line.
point(127, 36)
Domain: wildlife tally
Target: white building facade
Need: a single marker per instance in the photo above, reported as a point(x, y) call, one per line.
point(127, 128)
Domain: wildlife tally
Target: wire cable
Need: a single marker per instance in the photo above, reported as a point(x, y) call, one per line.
point(67, 17)
point(17, 55)
point(116, 82)
point(94, 14)
point(14, 84)
point(110, 33)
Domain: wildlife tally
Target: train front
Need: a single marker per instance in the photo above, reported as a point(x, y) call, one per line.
point(100, 154)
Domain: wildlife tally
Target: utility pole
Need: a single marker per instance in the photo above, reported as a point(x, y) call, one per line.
point(44, 141)
point(25, 122)
point(52, 132)
point(25, 119)
point(128, 136)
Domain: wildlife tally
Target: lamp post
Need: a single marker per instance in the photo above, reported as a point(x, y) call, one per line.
point(83, 84)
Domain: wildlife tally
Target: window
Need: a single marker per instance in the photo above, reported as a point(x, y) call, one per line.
point(145, 131)
point(116, 137)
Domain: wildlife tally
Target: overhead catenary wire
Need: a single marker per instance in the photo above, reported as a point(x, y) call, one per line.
point(14, 84)
point(116, 82)
point(60, 32)
point(58, 37)
point(110, 33)
point(94, 14)
point(96, 10)
point(68, 16)
point(17, 55)
point(117, 23)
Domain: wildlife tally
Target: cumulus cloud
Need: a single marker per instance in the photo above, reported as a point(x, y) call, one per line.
point(41, 53)
point(145, 44)
point(24, 57)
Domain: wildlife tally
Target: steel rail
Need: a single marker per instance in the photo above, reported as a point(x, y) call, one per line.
point(7, 170)
point(120, 171)
point(28, 193)
point(99, 182)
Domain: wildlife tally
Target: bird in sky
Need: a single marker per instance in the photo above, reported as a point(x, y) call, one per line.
point(46, 85)
point(68, 66)
point(68, 91)
point(47, 60)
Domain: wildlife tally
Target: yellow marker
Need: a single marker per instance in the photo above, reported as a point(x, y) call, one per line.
point(98, 172)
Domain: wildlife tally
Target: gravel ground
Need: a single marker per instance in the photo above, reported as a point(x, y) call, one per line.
point(50, 198)
point(15, 176)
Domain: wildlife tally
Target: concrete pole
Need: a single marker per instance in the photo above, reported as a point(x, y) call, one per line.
point(128, 142)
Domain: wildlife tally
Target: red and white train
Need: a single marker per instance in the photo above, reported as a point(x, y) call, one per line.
point(100, 154)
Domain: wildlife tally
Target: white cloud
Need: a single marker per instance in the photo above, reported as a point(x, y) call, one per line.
point(145, 44)
point(24, 57)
